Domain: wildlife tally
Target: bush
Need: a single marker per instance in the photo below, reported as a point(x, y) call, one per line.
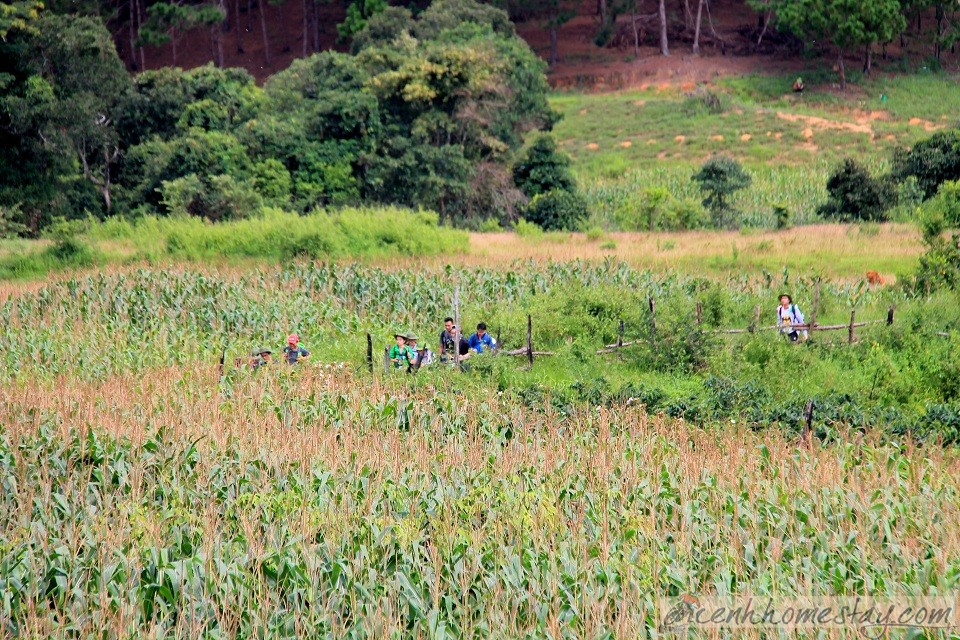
point(946, 204)
point(720, 177)
point(656, 209)
point(543, 169)
point(556, 210)
point(215, 198)
point(855, 195)
point(932, 162)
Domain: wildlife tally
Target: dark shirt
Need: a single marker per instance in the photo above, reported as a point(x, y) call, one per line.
point(292, 355)
point(447, 340)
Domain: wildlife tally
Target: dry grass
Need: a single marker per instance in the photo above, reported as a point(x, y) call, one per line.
point(639, 497)
point(838, 251)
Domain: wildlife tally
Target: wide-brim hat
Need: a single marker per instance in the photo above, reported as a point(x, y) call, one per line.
point(412, 336)
point(400, 334)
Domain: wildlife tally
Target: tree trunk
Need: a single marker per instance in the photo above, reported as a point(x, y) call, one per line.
point(133, 37)
point(143, 55)
point(696, 34)
point(868, 60)
point(173, 45)
point(636, 32)
point(940, 16)
point(766, 25)
point(554, 55)
point(284, 29)
point(237, 27)
point(306, 31)
point(664, 49)
point(843, 71)
point(604, 13)
point(687, 14)
point(262, 6)
point(316, 26)
point(249, 26)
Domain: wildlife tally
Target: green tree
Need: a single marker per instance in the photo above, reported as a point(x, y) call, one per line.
point(844, 23)
point(19, 15)
point(855, 195)
point(720, 177)
point(543, 169)
point(358, 13)
point(932, 161)
point(61, 107)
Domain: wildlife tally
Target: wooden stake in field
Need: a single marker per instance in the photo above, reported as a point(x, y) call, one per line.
point(853, 318)
point(370, 353)
point(806, 436)
point(653, 317)
point(699, 314)
point(816, 303)
point(620, 340)
point(530, 340)
point(456, 326)
point(890, 315)
point(756, 320)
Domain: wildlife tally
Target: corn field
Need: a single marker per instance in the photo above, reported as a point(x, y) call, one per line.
point(148, 494)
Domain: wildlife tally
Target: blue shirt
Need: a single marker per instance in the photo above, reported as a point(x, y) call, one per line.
point(477, 343)
point(292, 355)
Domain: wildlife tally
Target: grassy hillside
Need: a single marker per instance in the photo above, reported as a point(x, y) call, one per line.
point(658, 135)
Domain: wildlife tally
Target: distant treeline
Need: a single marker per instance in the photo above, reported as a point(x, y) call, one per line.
point(427, 111)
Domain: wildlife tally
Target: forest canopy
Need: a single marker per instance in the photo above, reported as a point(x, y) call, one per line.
point(426, 111)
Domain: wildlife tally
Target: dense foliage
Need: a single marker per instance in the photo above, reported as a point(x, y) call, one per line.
point(719, 178)
point(426, 115)
point(854, 195)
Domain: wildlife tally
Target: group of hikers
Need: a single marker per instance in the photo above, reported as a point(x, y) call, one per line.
point(404, 354)
point(293, 353)
point(407, 354)
point(453, 346)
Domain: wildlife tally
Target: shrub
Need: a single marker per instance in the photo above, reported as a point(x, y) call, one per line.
point(543, 169)
point(855, 195)
point(932, 162)
point(946, 204)
point(219, 197)
point(940, 263)
point(720, 177)
point(526, 229)
point(556, 210)
point(656, 209)
point(782, 216)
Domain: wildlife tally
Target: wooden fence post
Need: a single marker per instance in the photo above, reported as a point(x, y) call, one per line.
point(853, 317)
point(756, 320)
point(370, 352)
point(620, 340)
point(816, 303)
point(530, 340)
point(808, 424)
point(653, 316)
point(890, 315)
point(699, 313)
point(456, 326)
point(386, 359)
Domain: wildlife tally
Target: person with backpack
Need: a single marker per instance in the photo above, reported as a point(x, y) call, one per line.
point(448, 339)
point(789, 316)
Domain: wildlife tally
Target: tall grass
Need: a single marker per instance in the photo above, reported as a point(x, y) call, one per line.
point(273, 235)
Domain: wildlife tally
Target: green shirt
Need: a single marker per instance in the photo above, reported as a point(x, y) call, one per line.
point(404, 356)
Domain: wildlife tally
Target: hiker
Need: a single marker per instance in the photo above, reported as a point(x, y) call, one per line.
point(482, 340)
point(789, 316)
point(448, 340)
point(421, 356)
point(293, 352)
point(798, 85)
point(401, 355)
point(260, 358)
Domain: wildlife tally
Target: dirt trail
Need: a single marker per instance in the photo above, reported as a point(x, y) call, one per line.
point(861, 125)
